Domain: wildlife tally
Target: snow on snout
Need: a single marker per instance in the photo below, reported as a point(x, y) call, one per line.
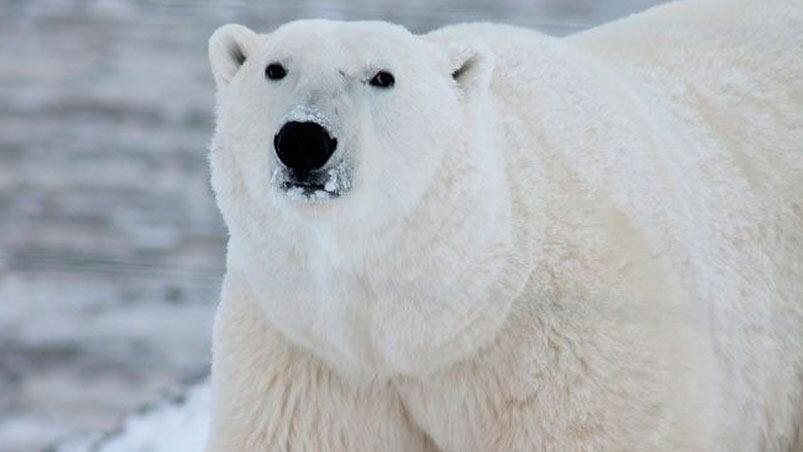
point(308, 113)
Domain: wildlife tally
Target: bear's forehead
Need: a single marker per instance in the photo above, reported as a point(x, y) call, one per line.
point(343, 29)
point(338, 38)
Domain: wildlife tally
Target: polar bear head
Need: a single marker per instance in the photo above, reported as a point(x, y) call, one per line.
point(350, 120)
point(341, 151)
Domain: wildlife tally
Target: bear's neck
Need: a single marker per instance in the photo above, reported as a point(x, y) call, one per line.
point(425, 292)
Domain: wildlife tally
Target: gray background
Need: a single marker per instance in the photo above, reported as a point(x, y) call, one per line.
point(111, 248)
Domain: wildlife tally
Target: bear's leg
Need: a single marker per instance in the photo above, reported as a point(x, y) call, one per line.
point(268, 395)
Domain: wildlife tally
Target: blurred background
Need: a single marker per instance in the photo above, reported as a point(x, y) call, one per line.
point(111, 247)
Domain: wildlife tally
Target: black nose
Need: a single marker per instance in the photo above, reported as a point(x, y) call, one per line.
point(303, 146)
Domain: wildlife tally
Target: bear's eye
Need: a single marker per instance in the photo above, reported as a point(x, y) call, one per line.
point(382, 79)
point(275, 71)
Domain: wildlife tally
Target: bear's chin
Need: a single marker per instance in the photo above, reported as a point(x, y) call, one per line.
point(315, 187)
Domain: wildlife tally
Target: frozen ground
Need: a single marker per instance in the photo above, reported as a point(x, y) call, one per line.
point(178, 423)
point(111, 248)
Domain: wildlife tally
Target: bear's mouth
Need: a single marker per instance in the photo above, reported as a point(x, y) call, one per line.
point(317, 185)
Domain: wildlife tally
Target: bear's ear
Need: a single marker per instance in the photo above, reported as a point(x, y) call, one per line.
point(229, 47)
point(471, 65)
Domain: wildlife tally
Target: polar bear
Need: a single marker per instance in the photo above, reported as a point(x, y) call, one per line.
point(488, 239)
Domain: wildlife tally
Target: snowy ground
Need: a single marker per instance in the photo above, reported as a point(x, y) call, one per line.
point(178, 423)
point(111, 248)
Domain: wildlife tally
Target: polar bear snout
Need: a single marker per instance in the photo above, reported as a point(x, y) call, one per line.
point(308, 167)
point(303, 147)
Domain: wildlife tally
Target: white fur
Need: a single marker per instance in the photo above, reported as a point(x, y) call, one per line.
point(587, 243)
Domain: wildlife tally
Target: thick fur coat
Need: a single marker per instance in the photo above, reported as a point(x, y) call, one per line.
point(591, 243)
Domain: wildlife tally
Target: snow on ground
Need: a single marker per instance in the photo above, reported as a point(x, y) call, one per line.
point(111, 247)
point(178, 424)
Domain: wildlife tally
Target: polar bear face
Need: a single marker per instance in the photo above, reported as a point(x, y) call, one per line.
point(346, 120)
point(341, 150)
